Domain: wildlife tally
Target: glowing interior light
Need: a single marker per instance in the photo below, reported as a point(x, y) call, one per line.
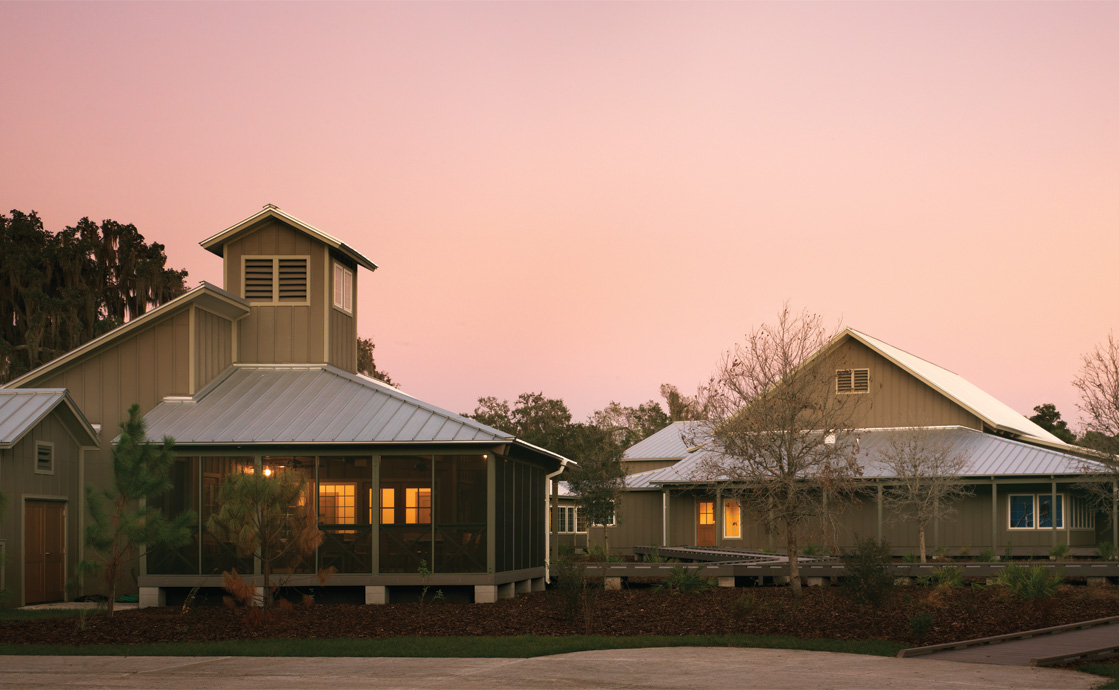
point(267, 471)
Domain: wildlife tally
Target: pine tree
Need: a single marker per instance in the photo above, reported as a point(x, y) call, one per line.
point(125, 524)
point(269, 516)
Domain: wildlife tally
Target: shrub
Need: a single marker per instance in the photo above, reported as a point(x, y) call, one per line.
point(745, 605)
point(570, 582)
point(949, 577)
point(1107, 551)
point(812, 549)
point(987, 556)
point(1031, 583)
point(685, 580)
point(910, 557)
point(965, 551)
point(1059, 551)
point(941, 553)
point(1008, 553)
point(598, 554)
point(920, 624)
point(656, 557)
point(869, 578)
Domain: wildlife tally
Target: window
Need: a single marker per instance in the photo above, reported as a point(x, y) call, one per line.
point(417, 506)
point(388, 506)
point(706, 512)
point(276, 279)
point(44, 457)
point(343, 288)
point(1083, 517)
point(852, 380)
point(1037, 511)
point(570, 522)
point(336, 504)
point(732, 527)
point(609, 523)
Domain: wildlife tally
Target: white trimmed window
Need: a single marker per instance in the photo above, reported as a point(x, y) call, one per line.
point(275, 279)
point(852, 380)
point(1036, 511)
point(343, 288)
point(611, 522)
point(570, 522)
point(44, 457)
point(732, 519)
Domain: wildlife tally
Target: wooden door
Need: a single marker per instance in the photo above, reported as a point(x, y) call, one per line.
point(705, 526)
point(44, 549)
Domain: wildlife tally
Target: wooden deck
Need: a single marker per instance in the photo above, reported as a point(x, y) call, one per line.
point(1043, 647)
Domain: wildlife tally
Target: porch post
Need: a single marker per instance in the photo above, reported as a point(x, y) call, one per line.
point(718, 517)
point(994, 515)
point(666, 499)
point(491, 513)
point(258, 467)
point(375, 505)
point(880, 512)
point(1053, 508)
point(1115, 513)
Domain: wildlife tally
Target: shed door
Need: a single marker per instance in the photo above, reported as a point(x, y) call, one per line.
point(44, 547)
point(705, 527)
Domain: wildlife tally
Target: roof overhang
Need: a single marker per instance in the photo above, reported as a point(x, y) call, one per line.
point(217, 242)
point(72, 418)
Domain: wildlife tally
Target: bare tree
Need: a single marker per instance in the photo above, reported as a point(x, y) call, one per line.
point(1098, 383)
point(925, 472)
point(780, 435)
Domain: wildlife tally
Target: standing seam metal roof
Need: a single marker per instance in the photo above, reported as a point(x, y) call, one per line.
point(987, 456)
point(314, 404)
point(21, 410)
point(669, 442)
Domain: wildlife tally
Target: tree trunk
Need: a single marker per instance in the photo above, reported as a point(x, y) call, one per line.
point(794, 568)
point(921, 530)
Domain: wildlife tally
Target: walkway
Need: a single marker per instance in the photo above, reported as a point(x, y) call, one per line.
point(1044, 647)
point(655, 669)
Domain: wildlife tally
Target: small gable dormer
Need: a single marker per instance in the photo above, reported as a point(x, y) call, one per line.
point(301, 285)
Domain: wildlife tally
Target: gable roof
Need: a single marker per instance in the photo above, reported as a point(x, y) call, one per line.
point(668, 443)
point(986, 455)
point(209, 297)
point(993, 412)
point(313, 404)
point(21, 410)
point(206, 295)
point(216, 242)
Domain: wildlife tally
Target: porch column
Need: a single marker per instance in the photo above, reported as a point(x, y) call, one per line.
point(718, 517)
point(666, 499)
point(375, 527)
point(879, 512)
point(1115, 513)
point(994, 515)
point(491, 514)
point(1053, 508)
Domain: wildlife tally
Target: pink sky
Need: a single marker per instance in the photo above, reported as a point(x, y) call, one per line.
point(591, 199)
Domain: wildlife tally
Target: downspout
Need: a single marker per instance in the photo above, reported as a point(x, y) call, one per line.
point(548, 521)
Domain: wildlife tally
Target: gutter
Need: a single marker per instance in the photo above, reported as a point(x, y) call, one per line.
point(548, 519)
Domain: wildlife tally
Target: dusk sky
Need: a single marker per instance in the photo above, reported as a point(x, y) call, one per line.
point(590, 199)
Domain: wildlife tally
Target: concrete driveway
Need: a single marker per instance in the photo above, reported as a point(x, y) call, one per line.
point(668, 668)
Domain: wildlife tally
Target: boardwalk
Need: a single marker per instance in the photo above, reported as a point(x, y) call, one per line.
point(1045, 647)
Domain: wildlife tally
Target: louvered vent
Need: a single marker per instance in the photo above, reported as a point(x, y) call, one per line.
point(44, 458)
point(852, 380)
point(258, 279)
point(293, 280)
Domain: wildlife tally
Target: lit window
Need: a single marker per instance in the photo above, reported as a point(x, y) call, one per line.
point(388, 506)
point(706, 512)
point(417, 506)
point(343, 288)
point(731, 514)
point(336, 504)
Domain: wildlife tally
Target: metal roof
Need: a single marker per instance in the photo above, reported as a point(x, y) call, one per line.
point(669, 442)
point(311, 404)
point(21, 410)
point(987, 456)
point(215, 243)
point(969, 396)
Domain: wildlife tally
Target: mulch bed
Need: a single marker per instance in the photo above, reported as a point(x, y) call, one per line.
point(957, 614)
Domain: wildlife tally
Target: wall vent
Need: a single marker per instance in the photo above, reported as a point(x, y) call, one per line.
point(44, 458)
point(852, 380)
point(276, 279)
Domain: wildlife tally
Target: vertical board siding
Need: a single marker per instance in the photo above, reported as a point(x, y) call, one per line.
point(20, 480)
point(280, 334)
point(343, 340)
point(896, 398)
point(213, 346)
